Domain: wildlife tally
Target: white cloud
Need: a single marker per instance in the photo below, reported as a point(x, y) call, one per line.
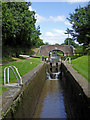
point(40, 18)
point(37, 16)
point(58, 31)
point(67, 23)
point(30, 8)
point(57, 36)
point(50, 18)
point(59, 0)
point(49, 34)
point(72, 1)
point(57, 18)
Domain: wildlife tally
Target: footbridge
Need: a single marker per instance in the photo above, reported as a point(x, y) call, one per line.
point(66, 49)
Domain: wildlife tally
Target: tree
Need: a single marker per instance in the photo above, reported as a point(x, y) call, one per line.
point(18, 27)
point(80, 21)
point(56, 43)
point(68, 31)
point(35, 36)
point(39, 42)
point(46, 43)
point(71, 42)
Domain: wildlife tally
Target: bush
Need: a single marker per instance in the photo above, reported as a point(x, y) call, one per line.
point(87, 50)
point(79, 50)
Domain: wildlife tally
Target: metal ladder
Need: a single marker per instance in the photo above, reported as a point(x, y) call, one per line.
point(13, 68)
point(67, 59)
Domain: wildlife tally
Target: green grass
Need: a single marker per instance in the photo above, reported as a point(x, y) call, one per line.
point(5, 59)
point(10, 59)
point(60, 53)
point(24, 66)
point(42, 55)
point(81, 65)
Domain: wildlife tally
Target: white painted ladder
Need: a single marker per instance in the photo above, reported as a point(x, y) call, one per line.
point(67, 59)
point(13, 68)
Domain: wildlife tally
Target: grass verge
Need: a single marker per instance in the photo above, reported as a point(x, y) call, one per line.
point(81, 65)
point(23, 65)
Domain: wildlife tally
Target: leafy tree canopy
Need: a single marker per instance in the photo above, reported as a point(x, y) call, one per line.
point(46, 43)
point(56, 43)
point(80, 20)
point(18, 26)
point(70, 41)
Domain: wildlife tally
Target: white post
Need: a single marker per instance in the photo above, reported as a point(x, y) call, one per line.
point(4, 76)
point(69, 60)
point(19, 82)
point(19, 76)
point(8, 74)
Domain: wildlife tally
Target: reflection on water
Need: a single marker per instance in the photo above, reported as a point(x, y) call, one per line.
point(51, 104)
point(60, 99)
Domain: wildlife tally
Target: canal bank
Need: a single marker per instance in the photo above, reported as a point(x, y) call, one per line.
point(62, 98)
point(20, 102)
point(73, 75)
point(67, 94)
point(76, 92)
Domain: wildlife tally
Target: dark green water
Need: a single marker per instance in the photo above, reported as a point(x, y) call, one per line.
point(51, 104)
point(57, 101)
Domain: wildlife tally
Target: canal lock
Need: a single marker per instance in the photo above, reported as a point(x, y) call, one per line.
point(52, 93)
point(61, 96)
point(53, 70)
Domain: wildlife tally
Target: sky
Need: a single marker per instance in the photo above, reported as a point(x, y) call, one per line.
point(52, 18)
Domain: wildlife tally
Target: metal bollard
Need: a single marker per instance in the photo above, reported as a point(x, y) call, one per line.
point(42, 58)
point(51, 67)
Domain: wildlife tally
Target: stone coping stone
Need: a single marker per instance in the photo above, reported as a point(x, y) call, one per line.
point(85, 85)
point(12, 93)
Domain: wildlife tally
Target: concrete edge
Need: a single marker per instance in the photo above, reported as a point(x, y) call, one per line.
point(85, 85)
point(8, 98)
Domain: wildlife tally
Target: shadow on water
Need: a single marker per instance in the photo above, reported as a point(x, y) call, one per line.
point(76, 106)
point(60, 100)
